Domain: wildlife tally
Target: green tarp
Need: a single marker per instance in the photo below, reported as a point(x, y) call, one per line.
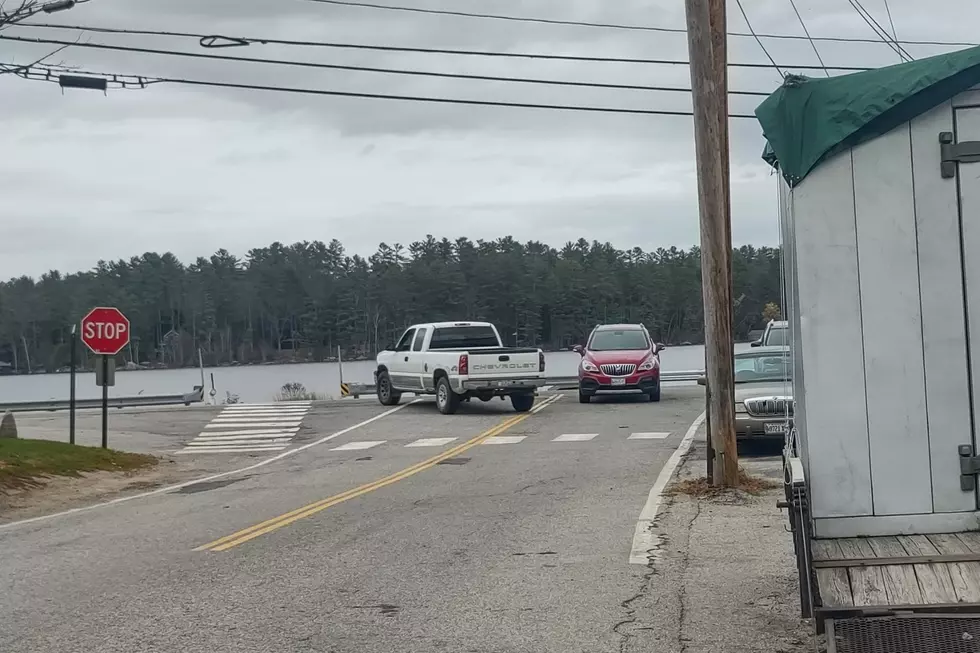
point(808, 120)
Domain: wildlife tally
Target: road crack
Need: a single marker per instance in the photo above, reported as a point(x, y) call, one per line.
point(682, 586)
point(623, 628)
point(626, 627)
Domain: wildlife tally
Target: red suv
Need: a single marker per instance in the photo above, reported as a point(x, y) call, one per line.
point(619, 358)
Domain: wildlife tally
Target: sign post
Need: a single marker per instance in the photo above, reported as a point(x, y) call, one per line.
point(71, 400)
point(105, 331)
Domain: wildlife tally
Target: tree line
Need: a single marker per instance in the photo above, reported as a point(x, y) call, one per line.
point(301, 302)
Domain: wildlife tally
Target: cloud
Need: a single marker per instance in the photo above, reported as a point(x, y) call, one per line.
point(189, 170)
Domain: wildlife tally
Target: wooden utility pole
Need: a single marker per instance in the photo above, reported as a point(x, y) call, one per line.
point(706, 26)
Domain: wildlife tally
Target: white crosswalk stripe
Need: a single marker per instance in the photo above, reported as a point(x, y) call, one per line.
point(358, 446)
point(250, 427)
point(649, 436)
point(575, 437)
point(505, 439)
point(430, 442)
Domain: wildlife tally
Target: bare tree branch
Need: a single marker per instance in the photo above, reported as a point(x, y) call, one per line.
point(26, 9)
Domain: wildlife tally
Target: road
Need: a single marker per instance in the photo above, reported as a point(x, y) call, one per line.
point(501, 533)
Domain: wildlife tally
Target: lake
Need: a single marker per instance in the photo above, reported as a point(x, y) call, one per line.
point(260, 383)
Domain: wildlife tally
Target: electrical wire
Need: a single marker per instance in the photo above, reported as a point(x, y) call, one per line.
point(620, 26)
point(879, 30)
point(124, 48)
point(758, 40)
point(884, 32)
point(807, 32)
point(424, 73)
point(49, 73)
point(237, 40)
point(891, 22)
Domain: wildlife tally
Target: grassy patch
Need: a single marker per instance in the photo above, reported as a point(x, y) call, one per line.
point(25, 463)
point(702, 489)
point(296, 392)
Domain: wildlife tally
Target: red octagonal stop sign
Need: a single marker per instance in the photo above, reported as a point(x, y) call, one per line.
point(105, 330)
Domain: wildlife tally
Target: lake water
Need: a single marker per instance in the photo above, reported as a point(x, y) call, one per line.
point(260, 383)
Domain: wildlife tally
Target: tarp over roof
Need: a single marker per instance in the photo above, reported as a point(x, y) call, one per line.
point(808, 120)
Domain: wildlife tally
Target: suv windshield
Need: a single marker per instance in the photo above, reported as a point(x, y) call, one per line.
point(618, 340)
point(463, 337)
point(753, 367)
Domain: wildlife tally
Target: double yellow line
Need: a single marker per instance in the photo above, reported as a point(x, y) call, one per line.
point(268, 526)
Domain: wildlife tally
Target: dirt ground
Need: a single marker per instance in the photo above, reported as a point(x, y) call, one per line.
point(65, 493)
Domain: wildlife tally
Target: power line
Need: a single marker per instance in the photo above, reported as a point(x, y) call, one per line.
point(620, 26)
point(52, 73)
point(665, 62)
point(891, 22)
point(807, 32)
point(421, 73)
point(239, 40)
point(758, 40)
point(879, 30)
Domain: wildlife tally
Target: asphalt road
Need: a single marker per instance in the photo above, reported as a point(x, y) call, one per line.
point(501, 539)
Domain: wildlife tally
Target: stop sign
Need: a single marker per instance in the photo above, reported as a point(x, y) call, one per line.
point(105, 330)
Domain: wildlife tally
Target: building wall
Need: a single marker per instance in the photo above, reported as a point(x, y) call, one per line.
point(877, 306)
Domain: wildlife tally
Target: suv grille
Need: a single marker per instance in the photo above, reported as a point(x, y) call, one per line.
point(618, 370)
point(769, 406)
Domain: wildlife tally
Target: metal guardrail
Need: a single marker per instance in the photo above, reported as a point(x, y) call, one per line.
point(552, 383)
point(194, 397)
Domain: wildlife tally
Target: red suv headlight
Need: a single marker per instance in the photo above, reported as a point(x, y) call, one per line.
point(589, 366)
point(649, 364)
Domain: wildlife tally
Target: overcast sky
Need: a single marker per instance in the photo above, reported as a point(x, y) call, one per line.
point(86, 176)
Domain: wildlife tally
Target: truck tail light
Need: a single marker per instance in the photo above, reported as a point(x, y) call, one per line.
point(541, 361)
point(464, 364)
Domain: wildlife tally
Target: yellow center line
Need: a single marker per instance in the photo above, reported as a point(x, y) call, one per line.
point(242, 536)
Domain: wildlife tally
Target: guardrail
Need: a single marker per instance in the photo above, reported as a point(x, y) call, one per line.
point(194, 397)
point(552, 383)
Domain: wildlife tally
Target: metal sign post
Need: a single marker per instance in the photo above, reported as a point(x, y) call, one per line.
point(105, 331)
point(105, 402)
point(71, 396)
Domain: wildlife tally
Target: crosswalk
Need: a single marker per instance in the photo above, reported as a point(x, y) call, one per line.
point(242, 428)
point(495, 440)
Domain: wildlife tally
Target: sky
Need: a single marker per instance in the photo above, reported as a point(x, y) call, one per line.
point(86, 176)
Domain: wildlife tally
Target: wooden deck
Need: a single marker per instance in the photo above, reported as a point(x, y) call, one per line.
point(913, 570)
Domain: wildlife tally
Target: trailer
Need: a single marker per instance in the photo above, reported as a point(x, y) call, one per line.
point(879, 203)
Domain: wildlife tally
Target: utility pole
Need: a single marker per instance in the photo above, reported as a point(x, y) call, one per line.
point(709, 80)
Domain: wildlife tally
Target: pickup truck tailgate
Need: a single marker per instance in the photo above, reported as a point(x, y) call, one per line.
point(504, 363)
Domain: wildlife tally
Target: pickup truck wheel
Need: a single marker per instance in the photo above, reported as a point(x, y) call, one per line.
point(522, 402)
point(447, 401)
point(387, 395)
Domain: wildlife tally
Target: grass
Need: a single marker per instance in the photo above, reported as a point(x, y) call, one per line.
point(702, 489)
point(26, 463)
point(296, 392)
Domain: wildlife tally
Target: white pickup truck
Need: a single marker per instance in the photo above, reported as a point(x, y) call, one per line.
point(457, 361)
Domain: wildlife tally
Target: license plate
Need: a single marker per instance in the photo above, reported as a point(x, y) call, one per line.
point(774, 429)
point(619, 381)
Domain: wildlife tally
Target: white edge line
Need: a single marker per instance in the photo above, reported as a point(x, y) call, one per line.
point(645, 542)
point(206, 479)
